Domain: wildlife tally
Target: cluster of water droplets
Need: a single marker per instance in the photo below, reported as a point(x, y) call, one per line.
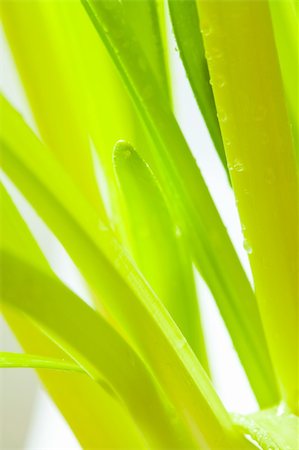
point(206, 29)
point(236, 166)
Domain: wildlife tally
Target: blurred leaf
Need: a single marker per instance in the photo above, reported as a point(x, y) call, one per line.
point(77, 397)
point(286, 30)
point(52, 87)
point(91, 342)
point(113, 279)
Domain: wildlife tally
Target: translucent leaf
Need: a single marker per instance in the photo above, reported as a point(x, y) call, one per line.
point(188, 198)
point(157, 246)
point(113, 279)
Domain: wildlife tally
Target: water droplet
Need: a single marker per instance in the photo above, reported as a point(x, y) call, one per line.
point(247, 246)
point(227, 143)
point(237, 166)
point(213, 53)
point(222, 116)
point(218, 81)
point(206, 30)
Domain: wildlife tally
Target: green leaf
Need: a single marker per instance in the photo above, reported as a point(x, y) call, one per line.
point(189, 200)
point(275, 429)
point(286, 31)
point(15, 236)
point(9, 360)
point(52, 86)
point(84, 403)
point(94, 345)
point(261, 157)
point(113, 279)
point(83, 415)
point(157, 246)
point(186, 27)
point(144, 20)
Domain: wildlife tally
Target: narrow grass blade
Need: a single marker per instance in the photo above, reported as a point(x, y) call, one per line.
point(186, 27)
point(260, 153)
point(115, 281)
point(188, 197)
point(286, 31)
point(157, 246)
point(9, 360)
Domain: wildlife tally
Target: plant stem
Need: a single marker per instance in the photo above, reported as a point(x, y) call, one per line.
point(251, 107)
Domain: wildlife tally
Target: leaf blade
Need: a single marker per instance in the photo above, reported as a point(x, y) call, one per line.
point(94, 249)
point(188, 197)
point(9, 360)
point(262, 160)
point(158, 251)
point(91, 342)
point(186, 27)
point(84, 415)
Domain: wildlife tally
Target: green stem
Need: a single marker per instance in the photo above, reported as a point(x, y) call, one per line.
point(9, 360)
point(254, 123)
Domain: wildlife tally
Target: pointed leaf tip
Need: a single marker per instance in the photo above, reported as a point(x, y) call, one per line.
point(122, 150)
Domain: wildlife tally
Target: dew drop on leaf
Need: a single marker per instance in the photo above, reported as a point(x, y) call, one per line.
point(247, 246)
point(222, 116)
point(206, 30)
point(237, 166)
